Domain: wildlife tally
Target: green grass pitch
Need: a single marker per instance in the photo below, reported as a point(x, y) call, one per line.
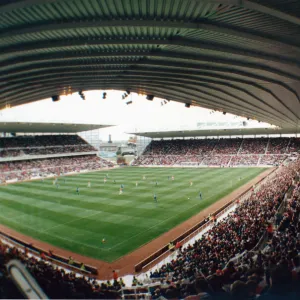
point(79, 222)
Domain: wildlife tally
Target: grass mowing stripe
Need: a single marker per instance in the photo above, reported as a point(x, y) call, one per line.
point(80, 203)
point(76, 220)
point(129, 220)
point(58, 237)
point(174, 216)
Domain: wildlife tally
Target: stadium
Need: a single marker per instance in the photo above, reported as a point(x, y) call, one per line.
point(204, 212)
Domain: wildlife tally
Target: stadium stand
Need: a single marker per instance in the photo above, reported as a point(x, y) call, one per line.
point(39, 156)
point(222, 152)
point(227, 146)
point(43, 145)
point(272, 159)
point(180, 147)
point(28, 169)
point(254, 146)
point(294, 146)
point(41, 141)
point(278, 145)
point(56, 282)
point(217, 160)
point(245, 160)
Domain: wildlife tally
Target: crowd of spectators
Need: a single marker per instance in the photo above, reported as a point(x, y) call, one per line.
point(40, 141)
point(227, 146)
point(219, 152)
point(189, 159)
point(278, 145)
point(11, 153)
point(167, 159)
point(181, 147)
point(272, 160)
point(57, 150)
point(43, 145)
point(216, 160)
point(56, 282)
point(244, 160)
point(294, 145)
point(206, 269)
point(26, 169)
point(254, 146)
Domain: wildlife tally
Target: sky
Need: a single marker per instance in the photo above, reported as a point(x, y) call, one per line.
point(141, 115)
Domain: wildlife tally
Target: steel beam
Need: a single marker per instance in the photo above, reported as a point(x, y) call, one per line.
point(22, 56)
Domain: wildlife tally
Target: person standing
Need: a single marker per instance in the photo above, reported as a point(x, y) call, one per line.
point(115, 275)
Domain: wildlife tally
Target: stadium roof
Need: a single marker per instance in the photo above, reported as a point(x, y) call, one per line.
point(47, 127)
point(236, 56)
point(218, 132)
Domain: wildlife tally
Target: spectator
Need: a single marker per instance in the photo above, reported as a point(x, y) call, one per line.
point(71, 260)
point(115, 275)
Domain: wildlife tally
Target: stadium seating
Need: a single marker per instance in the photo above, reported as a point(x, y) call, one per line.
point(216, 160)
point(207, 265)
point(40, 141)
point(294, 145)
point(272, 159)
point(278, 145)
point(245, 160)
point(219, 152)
point(254, 146)
point(18, 161)
point(56, 282)
point(43, 145)
point(26, 169)
point(180, 147)
point(227, 146)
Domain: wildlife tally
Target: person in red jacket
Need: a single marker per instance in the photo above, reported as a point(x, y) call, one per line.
point(178, 245)
point(115, 275)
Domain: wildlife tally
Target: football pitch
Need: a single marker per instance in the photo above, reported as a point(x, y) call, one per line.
point(79, 222)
